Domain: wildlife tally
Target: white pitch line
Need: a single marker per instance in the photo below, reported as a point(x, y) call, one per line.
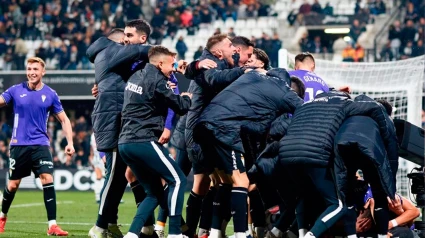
point(39, 204)
point(71, 223)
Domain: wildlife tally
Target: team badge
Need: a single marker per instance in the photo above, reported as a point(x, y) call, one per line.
point(43, 97)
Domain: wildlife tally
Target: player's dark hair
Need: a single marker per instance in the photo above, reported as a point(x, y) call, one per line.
point(115, 31)
point(242, 41)
point(160, 50)
point(141, 26)
point(301, 57)
point(215, 39)
point(386, 105)
point(262, 55)
point(300, 85)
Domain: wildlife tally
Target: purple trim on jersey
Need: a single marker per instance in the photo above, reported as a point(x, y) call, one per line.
point(171, 114)
point(31, 110)
point(102, 154)
point(369, 195)
point(314, 84)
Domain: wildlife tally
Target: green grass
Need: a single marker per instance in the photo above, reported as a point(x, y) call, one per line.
point(76, 213)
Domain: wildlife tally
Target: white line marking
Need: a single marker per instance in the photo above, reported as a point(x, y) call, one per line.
point(39, 204)
point(73, 223)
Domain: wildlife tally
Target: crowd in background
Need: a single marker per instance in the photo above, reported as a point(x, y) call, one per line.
point(406, 36)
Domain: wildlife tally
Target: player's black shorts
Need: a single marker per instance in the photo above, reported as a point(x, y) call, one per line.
point(220, 156)
point(24, 159)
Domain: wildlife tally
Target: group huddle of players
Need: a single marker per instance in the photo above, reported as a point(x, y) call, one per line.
point(254, 137)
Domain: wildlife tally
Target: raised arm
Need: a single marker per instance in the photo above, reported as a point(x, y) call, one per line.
point(129, 54)
point(220, 79)
point(179, 104)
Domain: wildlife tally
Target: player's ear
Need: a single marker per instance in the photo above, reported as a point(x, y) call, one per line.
point(43, 72)
point(143, 38)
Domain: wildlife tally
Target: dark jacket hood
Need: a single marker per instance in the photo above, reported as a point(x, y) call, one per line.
point(280, 74)
point(363, 98)
point(97, 46)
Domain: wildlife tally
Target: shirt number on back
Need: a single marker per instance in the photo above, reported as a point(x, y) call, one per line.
point(311, 95)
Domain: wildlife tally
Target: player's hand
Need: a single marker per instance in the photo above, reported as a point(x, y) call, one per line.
point(345, 88)
point(207, 64)
point(181, 66)
point(172, 85)
point(395, 205)
point(95, 90)
point(165, 137)
point(370, 203)
point(389, 235)
point(69, 150)
point(363, 224)
point(186, 94)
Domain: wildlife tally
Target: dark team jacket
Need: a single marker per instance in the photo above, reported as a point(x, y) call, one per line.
point(254, 100)
point(204, 87)
point(113, 63)
point(310, 136)
point(178, 139)
point(147, 98)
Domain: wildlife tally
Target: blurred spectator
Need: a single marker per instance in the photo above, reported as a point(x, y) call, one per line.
point(305, 8)
point(359, 53)
point(41, 52)
point(263, 9)
point(304, 43)
point(3, 46)
point(8, 59)
point(377, 7)
point(250, 11)
point(231, 32)
point(198, 53)
point(316, 46)
point(274, 54)
point(186, 18)
point(217, 31)
point(357, 7)
point(230, 11)
point(411, 13)
point(387, 53)
point(21, 52)
point(172, 27)
point(316, 7)
point(181, 48)
point(119, 20)
point(206, 16)
point(328, 10)
point(407, 50)
point(348, 53)
point(356, 30)
point(418, 49)
point(423, 119)
point(394, 34)
point(408, 33)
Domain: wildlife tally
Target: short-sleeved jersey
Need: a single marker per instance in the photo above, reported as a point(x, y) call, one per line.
point(314, 84)
point(31, 110)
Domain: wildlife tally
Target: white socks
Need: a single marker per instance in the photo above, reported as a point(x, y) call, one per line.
point(352, 236)
point(98, 184)
point(302, 232)
point(309, 235)
point(277, 233)
point(147, 230)
point(51, 223)
point(240, 235)
point(250, 230)
point(214, 233)
point(2, 215)
point(382, 236)
point(131, 235)
point(201, 232)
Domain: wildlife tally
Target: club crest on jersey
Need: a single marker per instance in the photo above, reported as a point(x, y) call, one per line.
point(43, 97)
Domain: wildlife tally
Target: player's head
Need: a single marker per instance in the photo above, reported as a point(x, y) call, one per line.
point(163, 59)
point(137, 32)
point(244, 48)
point(305, 61)
point(117, 35)
point(258, 59)
point(35, 70)
point(298, 86)
point(386, 105)
point(221, 47)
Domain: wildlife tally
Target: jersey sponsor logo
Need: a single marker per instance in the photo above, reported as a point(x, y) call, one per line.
point(43, 97)
point(23, 95)
point(134, 88)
